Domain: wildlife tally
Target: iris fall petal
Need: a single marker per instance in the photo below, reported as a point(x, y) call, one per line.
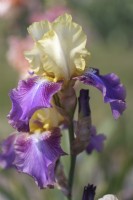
point(113, 91)
point(36, 155)
point(30, 96)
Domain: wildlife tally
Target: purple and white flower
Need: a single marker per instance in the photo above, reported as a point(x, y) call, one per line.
point(58, 58)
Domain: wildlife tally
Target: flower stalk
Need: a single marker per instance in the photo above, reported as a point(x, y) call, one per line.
point(72, 160)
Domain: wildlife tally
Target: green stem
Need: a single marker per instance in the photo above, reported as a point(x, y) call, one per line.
point(72, 160)
point(71, 173)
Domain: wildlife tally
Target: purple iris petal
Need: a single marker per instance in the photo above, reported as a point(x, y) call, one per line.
point(37, 154)
point(113, 91)
point(96, 141)
point(7, 155)
point(89, 192)
point(31, 95)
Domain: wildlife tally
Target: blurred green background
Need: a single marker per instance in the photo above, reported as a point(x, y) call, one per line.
point(109, 27)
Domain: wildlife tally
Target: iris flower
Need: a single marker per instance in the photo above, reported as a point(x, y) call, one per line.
point(59, 55)
point(58, 60)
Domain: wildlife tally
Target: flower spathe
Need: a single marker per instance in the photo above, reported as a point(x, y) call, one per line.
point(59, 50)
point(89, 192)
point(84, 129)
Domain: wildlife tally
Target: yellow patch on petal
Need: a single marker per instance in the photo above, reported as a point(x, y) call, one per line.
point(45, 119)
point(60, 45)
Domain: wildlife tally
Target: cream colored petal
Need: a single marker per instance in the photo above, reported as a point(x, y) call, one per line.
point(108, 197)
point(35, 59)
point(64, 47)
point(80, 61)
point(63, 18)
point(38, 29)
point(73, 42)
point(55, 60)
point(61, 51)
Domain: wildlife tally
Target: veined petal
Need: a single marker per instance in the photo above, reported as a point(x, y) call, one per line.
point(113, 91)
point(7, 155)
point(61, 47)
point(36, 155)
point(96, 141)
point(31, 95)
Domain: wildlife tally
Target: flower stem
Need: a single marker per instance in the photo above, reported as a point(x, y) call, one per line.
point(71, 174)
point(72, 161)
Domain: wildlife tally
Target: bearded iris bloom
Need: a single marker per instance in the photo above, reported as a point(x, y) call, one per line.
point(59, 55)
point(58, 60)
